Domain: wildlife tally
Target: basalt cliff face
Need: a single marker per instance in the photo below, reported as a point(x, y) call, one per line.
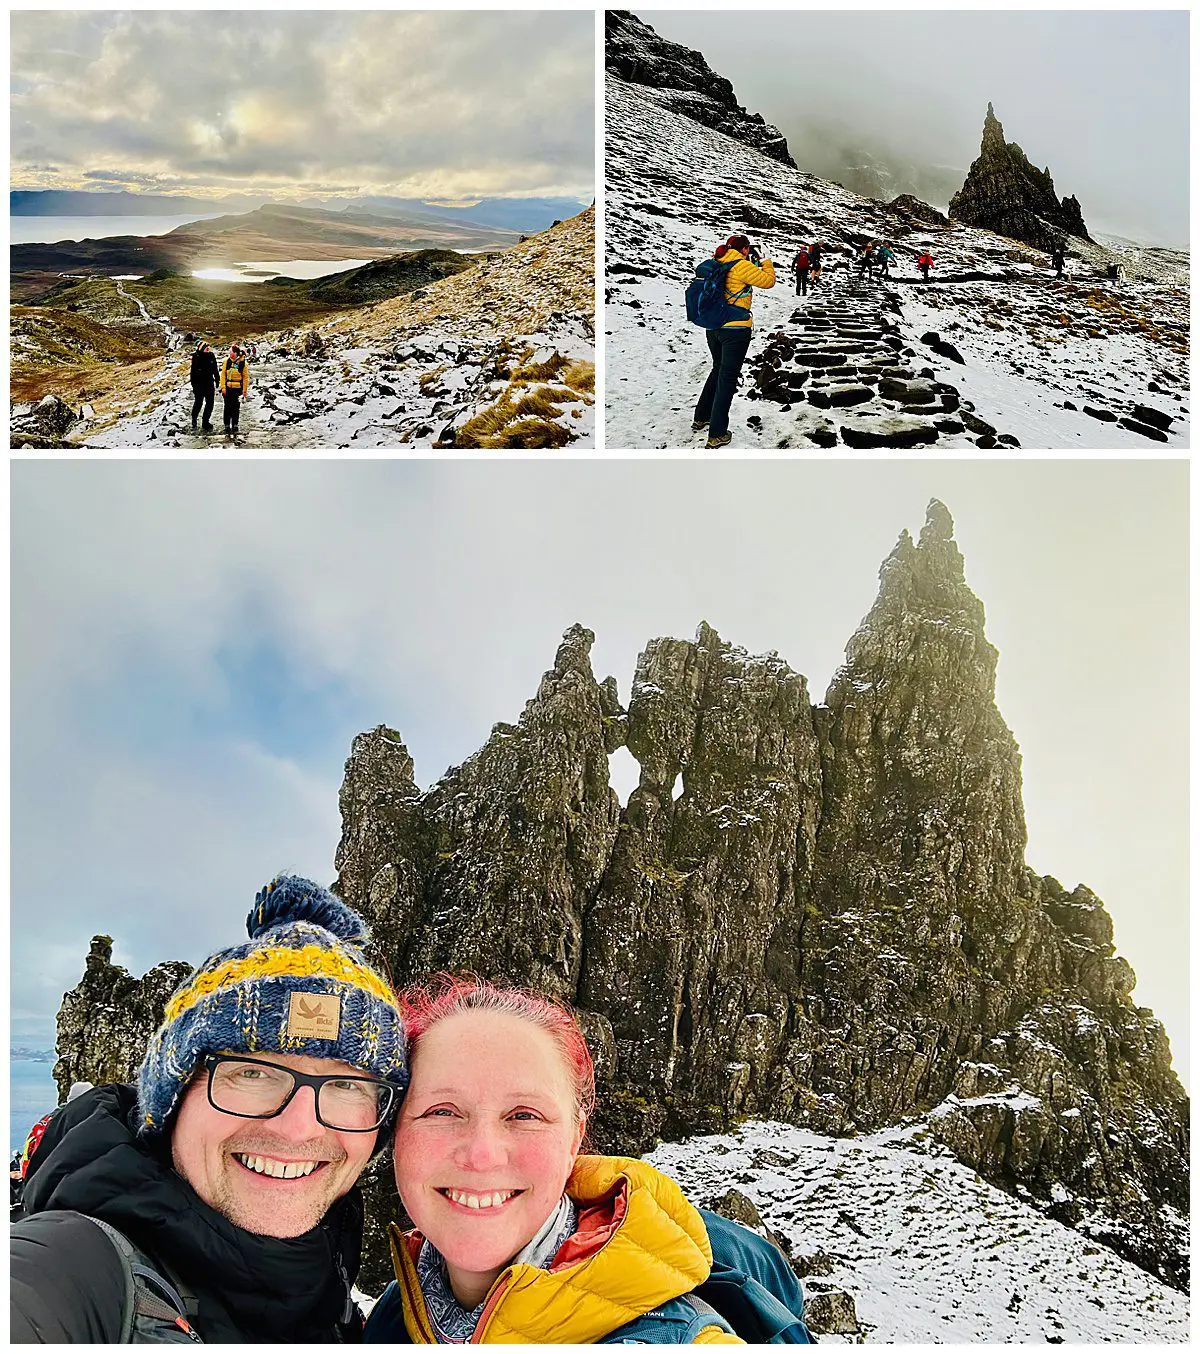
point(680, 79)
point(1004, 193)
point(814, 913)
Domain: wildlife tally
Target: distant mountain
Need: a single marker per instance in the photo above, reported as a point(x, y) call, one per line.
point(520, 214)
point(56, 202)
point(32, 1055)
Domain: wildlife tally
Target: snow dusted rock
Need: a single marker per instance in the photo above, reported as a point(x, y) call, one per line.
point(105, 1022)
point(682, 80)
point(1004, 193)
point(288, 404)
point(926, 1251)
point(831, 1313)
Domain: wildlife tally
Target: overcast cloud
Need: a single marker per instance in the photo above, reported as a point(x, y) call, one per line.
point(439, 104)
point(1101, 97)
point(195, 645)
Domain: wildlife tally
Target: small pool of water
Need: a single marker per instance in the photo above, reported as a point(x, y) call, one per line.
point(263, 272)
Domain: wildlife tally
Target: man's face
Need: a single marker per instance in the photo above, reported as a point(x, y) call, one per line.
point(217, 1154)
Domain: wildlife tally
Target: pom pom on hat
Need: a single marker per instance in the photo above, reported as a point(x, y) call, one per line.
point(305, 941)
point(288, 898)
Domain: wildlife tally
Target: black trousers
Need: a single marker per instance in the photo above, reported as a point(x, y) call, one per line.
point(233, 400)
point(728, 348)
point(801, 281)
point(203, 397)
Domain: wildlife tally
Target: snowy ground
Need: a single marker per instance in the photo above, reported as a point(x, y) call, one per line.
point(929, 1252)
point(1033, 347)
point(415, 392)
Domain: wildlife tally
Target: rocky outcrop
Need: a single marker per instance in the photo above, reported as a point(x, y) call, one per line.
point(681, 79)
point(105, 1022)
point(1004, 193)
point(815, 913)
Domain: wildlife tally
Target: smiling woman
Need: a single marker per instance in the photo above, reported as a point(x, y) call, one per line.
point(518, 1237)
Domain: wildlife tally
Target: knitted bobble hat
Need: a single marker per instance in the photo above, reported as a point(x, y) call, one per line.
point(299, 985)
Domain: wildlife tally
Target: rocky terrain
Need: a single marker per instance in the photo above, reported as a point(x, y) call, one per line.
point(811, 912)
point(1004, 193)
point(680, 79)
point(992, 351)
point(498, 355)
point(897, 1243)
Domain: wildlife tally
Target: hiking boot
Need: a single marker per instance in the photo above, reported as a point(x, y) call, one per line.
point(722, 441)
point(698, 424)
point(205, 427)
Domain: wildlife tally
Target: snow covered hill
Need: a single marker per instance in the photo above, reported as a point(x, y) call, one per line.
point(928, 1252)
point(501, 355)
point(1044, 364)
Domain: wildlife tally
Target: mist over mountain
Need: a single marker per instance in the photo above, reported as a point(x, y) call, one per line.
point(908, 89)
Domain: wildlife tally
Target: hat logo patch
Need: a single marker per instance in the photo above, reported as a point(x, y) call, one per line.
point(313, 1015)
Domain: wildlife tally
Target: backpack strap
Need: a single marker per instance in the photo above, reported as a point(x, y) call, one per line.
point(153, 1311)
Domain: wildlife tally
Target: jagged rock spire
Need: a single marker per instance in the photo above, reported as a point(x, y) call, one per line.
point(1003, 192)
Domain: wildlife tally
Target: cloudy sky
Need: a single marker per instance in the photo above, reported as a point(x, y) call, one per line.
point(1101, 97)
point(195, 645)
point(425, 104)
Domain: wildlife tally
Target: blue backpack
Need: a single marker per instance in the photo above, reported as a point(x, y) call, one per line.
point(752, 1292)
point(705, 296)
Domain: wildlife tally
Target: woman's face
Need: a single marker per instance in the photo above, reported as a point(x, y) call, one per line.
point(487, 1136)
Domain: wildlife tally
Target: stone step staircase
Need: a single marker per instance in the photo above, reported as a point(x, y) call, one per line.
point(841, 353)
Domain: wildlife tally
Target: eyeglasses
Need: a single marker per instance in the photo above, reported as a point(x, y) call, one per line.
point(251, 1089)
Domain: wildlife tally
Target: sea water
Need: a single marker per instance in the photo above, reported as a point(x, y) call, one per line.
point(53, 229)
point(31, 1093)
point(261, 272)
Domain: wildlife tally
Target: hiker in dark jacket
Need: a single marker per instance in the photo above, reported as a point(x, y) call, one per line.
point(205, 377)
point(815, 251)
point(800, 266)
point(232, 1165)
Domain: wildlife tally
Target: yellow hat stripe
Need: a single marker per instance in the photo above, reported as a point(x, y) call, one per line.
point(312, 961)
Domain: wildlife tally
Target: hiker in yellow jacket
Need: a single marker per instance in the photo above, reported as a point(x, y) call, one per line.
point(235, 383)
point(729, 344)
point(519, 1238)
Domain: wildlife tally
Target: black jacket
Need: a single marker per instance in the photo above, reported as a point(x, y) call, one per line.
point(250, 1288)
point(205, 372)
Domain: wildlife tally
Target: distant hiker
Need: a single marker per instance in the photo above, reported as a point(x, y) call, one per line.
point(866, 260)
point(883, 259)
point(1059, 259)
point(205, 376)
point(800, 266)
point(738, 267)
point(235, 383)
point(252, 351)
point(924, 263)
point(814, 253)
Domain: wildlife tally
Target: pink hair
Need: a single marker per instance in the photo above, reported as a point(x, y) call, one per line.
point(445, 994)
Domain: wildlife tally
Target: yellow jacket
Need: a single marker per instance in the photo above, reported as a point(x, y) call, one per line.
point(639, 1244)
point(240, 381)
point(738, 281)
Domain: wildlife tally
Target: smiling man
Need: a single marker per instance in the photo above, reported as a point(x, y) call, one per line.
point(228, 1175)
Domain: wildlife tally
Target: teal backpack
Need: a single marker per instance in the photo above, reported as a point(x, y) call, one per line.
point(752, 1292)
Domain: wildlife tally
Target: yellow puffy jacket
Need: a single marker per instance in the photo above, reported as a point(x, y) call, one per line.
point(235, 376)
point(639, 1244)
point(738, 282)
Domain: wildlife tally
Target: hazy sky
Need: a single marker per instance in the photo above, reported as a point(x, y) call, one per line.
point(424, 104)
point(195, 645)
point(1101, 97)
